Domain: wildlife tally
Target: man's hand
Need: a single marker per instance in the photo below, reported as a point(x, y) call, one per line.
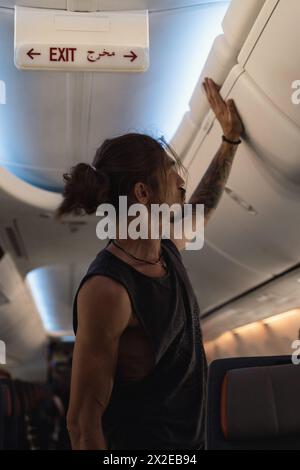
point(225, 111)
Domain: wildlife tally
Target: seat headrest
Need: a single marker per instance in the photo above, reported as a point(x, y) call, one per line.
point(261, 402)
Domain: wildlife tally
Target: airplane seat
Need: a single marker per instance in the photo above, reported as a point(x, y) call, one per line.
point(252, 404)
point(2, 414)
point(10, 419)
point(24, 409)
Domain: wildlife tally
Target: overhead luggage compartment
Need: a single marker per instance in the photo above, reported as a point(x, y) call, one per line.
point(270, 56)
point(257, 223)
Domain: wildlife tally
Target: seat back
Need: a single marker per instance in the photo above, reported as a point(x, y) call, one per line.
point(253, 404)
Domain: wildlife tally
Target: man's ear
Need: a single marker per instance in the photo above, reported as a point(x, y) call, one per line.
point(141, 193)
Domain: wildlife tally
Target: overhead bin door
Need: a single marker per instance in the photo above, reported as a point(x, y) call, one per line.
point(257, 223)
point(270, 55)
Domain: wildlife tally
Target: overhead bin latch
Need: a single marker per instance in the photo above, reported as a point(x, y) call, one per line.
point(110, 41)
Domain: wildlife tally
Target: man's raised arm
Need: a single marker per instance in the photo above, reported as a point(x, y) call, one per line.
point(212, 184)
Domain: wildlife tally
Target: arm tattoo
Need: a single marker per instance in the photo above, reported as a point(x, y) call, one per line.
point(211, 186)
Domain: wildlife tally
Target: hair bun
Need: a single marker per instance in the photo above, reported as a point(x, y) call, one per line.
point(85, 189)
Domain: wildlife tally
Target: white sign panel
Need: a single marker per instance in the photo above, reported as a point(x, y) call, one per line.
point(76, 57)
point(96, 41)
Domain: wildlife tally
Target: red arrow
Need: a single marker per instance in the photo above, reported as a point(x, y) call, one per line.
point(31, 54)
point(132, 55)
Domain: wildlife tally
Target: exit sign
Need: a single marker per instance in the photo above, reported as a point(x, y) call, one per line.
point(110, 41)
point(93, 58)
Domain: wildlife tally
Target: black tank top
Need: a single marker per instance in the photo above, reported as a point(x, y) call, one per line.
point(165, 409)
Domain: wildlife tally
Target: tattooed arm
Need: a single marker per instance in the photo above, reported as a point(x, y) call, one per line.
point(212, 184)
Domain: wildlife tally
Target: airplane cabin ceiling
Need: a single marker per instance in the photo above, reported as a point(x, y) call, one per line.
point(150, 5)
point(53, 120)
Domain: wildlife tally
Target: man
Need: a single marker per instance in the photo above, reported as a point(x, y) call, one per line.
point(139, 367)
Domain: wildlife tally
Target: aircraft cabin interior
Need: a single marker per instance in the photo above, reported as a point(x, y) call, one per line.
point(76, 73)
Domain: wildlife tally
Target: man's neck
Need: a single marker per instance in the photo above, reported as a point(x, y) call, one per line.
point(147, 249)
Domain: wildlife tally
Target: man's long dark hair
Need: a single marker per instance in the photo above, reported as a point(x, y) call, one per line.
point(118, 164)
